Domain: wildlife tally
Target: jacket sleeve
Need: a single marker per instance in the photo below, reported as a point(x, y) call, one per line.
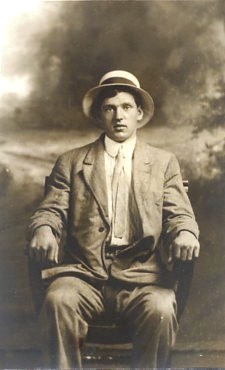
point(177, 211)
point(53, 210)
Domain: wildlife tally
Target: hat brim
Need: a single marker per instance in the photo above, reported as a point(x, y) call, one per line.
point(147, 102)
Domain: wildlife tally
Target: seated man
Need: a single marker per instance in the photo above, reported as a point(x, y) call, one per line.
point(127, 217)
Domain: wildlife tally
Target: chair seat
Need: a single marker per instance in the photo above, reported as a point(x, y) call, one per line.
point(108, 332)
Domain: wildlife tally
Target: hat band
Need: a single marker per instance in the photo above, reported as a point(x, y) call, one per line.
point(118, 80)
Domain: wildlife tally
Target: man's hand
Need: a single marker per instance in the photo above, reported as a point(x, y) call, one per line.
point(185, 247)
point(43, 247)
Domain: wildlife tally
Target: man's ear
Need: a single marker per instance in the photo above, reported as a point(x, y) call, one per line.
point(140, 114)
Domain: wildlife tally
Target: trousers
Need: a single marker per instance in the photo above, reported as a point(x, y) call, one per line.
point(71, 304)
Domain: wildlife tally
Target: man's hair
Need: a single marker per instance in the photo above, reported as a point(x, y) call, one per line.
point(109, 92)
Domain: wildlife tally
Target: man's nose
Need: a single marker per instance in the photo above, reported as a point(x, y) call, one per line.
point(118, 114)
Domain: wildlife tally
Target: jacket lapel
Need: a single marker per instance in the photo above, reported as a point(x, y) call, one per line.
point(142, 167)
point(94, 174)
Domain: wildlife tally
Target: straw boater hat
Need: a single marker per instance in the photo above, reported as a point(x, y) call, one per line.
point(120, 78)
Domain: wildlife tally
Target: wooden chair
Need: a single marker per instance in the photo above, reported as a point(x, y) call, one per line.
point(103, 335)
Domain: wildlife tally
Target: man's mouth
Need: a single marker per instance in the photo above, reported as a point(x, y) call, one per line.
point(119, 126)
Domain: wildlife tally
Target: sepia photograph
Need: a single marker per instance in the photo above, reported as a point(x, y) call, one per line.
point(112, 184)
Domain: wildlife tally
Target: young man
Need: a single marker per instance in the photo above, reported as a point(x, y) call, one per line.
point(127, 217)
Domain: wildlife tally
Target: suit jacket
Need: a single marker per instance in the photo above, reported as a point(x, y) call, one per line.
point(77, 200)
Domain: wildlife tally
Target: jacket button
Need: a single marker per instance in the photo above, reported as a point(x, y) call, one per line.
point(101, 229)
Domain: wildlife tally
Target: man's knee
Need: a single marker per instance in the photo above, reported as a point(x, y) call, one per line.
point(58, 299)
point(164, 306)
point(60, 296)
point(160, 307)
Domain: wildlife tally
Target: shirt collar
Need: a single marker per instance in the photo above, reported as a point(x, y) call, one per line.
point(112, 147)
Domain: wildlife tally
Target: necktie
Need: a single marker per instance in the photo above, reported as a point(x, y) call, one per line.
point(118, 196)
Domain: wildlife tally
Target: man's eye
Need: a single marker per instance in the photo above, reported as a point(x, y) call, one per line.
point(108, 109)
point(126, 107)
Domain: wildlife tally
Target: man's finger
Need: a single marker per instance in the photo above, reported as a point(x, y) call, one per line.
point(183, 254)
point(196, 251)
point(56, 257)
point(177, 251)
point(190, 254)
point(170, 254)
point(51, 256)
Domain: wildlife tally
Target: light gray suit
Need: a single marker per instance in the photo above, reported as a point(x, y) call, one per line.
point(139, 284)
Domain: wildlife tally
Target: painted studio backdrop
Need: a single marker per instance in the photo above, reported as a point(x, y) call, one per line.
point(51, 53)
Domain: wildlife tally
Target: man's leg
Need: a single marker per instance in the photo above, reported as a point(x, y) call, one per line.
point(150, 312)
point(70, 303)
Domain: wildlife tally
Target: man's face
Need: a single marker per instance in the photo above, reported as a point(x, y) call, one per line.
point(120, 116)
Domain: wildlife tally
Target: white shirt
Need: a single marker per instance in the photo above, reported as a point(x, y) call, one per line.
point(111, 150)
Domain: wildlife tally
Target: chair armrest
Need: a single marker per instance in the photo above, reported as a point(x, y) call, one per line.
point(183, 271)
point(36, 284)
